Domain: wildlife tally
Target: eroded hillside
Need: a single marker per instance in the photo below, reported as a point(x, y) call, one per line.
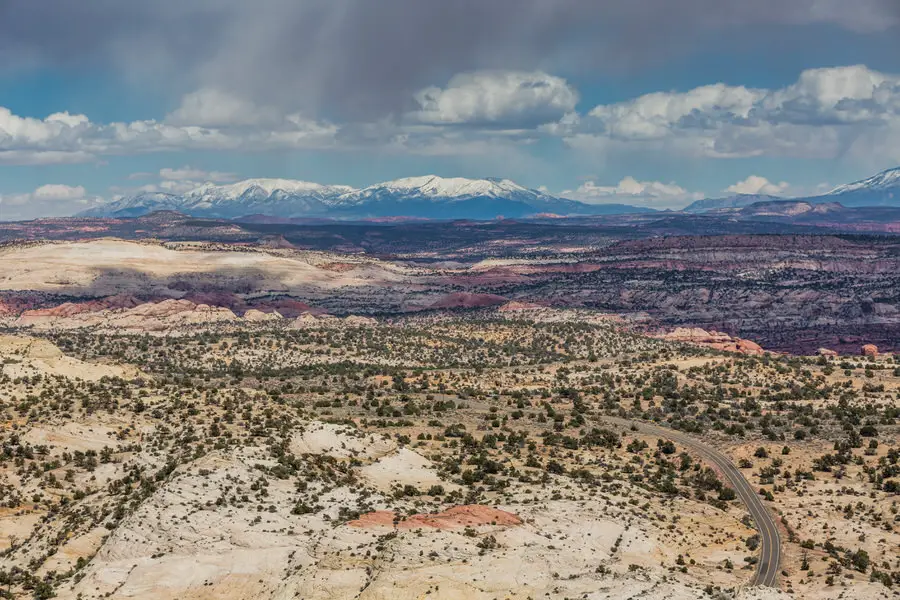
point(787, 293)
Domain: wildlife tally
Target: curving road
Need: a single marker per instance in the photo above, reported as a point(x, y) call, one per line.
point(769, 538)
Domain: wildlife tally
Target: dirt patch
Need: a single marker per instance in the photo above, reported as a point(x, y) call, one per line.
point(338, 267)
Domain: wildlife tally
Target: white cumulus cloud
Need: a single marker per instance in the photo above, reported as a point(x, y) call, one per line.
point(50, 200)
point(203, 122)
point(756, 184)
point(507, 98)
point(826, 113)
point(631, 191)
point(655, 115)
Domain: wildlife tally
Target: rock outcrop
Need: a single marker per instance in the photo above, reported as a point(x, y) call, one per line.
point(713, 339)
point(870, 350)
point(148, 317)
point(22, 356)
point(258, 316)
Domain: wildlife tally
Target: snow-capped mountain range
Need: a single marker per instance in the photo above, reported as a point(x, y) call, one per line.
point(426, 197)
point(882, 189)
point(435, 197)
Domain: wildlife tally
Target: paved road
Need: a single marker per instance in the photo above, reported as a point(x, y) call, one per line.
point(770, 540)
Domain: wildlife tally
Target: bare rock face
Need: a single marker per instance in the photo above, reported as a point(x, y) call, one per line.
point(22, 356)
point(714, 339)
point(170, 314)
point(826, 352)
point(148, 317)
point(70, 309)
point(870, 350)
point(746, 347)
point(258, 316)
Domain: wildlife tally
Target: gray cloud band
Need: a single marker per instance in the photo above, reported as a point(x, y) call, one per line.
point(359, 59)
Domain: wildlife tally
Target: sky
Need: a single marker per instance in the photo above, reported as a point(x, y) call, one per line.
point(649, 102)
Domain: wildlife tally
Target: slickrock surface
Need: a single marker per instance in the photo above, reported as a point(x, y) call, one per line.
point(714, 339)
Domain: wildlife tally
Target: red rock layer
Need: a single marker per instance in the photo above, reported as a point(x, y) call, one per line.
point(467, 300)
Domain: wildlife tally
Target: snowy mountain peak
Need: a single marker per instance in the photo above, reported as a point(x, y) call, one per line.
point(450, 187)
point(434, 188)
point(268, 187)
point(428, 196)
point(883, 181)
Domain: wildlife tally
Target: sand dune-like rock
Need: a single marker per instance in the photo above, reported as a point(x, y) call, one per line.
point(71, 309)
point(110, 266)
point(339, 441)
point(744, 347)
point(23, 356)
point(826, 352)
point(149, 317)
point(170, 314)
point(403, 467)
point(258, 316)
point(713, 339)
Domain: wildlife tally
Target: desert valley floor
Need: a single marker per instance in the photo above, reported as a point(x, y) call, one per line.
point(213, 419)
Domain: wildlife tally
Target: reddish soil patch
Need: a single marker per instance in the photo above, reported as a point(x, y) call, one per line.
point(469, 515)
point(337, 267)
point(467, 300)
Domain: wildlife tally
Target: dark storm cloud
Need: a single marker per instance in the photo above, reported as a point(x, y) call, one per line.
point(365, 58)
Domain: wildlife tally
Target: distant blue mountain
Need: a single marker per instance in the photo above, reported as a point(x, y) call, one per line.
point(730, 202)
point(879, 190)
point(424, 197)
